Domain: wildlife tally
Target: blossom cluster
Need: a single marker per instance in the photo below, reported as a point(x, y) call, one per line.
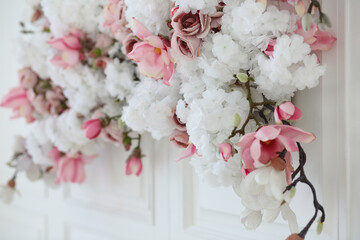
point(213, 76)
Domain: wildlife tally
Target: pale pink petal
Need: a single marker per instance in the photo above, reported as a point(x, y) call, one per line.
point(188, 152)
point(297, 134)
point(57, 61)
point(155, 41)
point(138, 51)
point(140, 30)
point(168, 73)
point(246, 139)
point(255, 150)
point(58, 44)
point(297, 114)
point(300, 8)
point(71, 58)
point(324, 41)
point(288, 143)
point(277, 117)
point(267, 133)
point(73, 42)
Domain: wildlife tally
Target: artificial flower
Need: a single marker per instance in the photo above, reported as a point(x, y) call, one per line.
point(114, 13)
point(28, 78)
point(186, 46)
point(70, 48)
point(152, 54)
point(226, 151)
point(270, 48)
point(17, 99)
point(258, 148)
point(287, 111)
point(188, 152)
point(134, 163)
point(93, 128)
point(71, 168)
point(179, 138)
point(317, 39)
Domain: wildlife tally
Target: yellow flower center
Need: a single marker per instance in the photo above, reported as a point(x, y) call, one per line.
point(157, 50)
point(267, 142)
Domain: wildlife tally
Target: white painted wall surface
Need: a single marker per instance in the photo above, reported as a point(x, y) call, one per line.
point(168, 201)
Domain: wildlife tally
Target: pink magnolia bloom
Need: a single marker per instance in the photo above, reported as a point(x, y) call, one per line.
point(19, 102)
point(71, 168)
point(270, 48)
point(152, 54)
point(70, 47)
point(287, 111)
point(226, 151)
point(258, 148)
point(134, 163)
point(114, 13)
point(28, 78)
point(55, 154)
point(188, 152)
point(317, 39)
point(179, 138)
point(93, 128)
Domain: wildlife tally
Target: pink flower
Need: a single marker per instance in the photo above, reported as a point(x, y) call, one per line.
point(56, 101)
point(267, 142)
point(111, 133)
point(28, 78)
point(270, 48)
point(188, 152)
point(19, 102)
point(226, 151)
point(134, 164)
point(152, 54)
point(186, 46)
point(103, 41)
point(179, 138)
point(114, 13)
point(93, 128)
point(70, 47)
point(287, 111)
point(71, 168)
point(189, 24)
point(129, 43)
point(55, 154)
point(317, 39)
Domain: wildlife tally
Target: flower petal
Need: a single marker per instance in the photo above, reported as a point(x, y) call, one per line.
point(140, 30)
point(267, 133)
point(188, 152)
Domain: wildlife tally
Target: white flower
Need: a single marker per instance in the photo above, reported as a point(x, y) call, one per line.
point(251, 219)
point(205, 6)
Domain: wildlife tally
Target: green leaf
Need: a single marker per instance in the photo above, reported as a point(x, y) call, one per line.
point(320, 227)
point(243, 77)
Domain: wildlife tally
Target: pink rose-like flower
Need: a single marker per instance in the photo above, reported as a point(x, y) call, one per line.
point(267, 142)
point(70, 47)
point(28, 78)
point(19, 102)
point(270, 48)
point(189, 24)
point(226, 151)
point(151, 54)
point(179, 138)
point(186, 46)
point(317, 39)
point(134, 163)
point(287, 111)
point(71, 168)
point(93, 128)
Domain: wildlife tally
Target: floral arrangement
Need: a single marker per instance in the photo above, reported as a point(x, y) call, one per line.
point(214, 76)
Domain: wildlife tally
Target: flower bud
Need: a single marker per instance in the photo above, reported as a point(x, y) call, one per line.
point(294, 237)
point(243, 77)
point(236, 120)
point(319, 227)
point(226, 151)
point(306, 22)
point(326, 20)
